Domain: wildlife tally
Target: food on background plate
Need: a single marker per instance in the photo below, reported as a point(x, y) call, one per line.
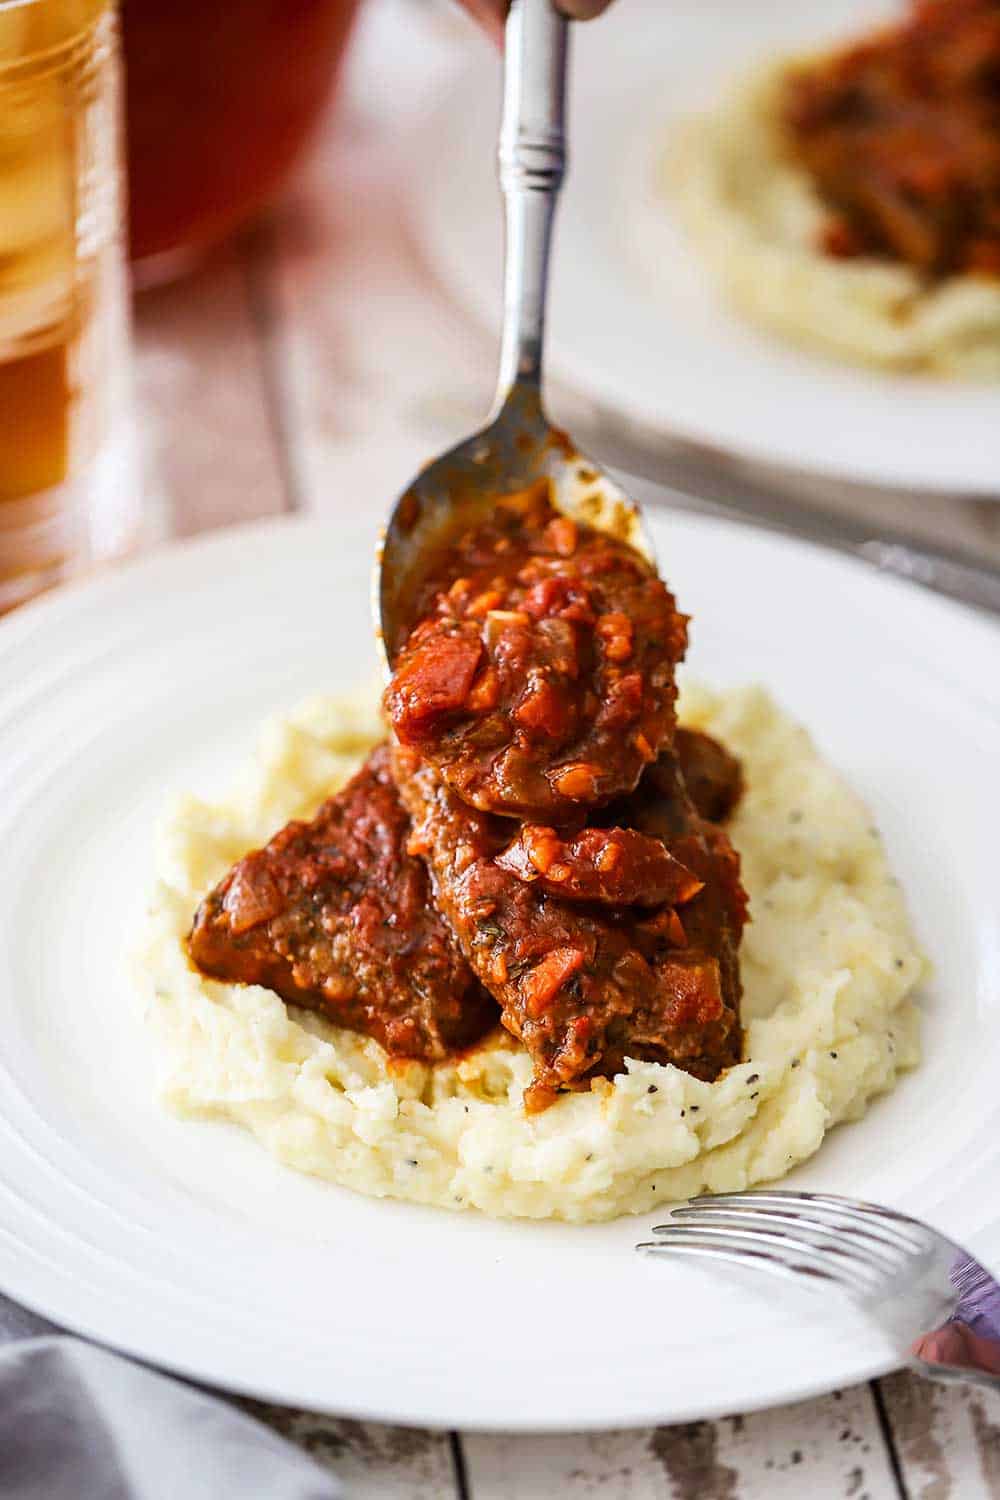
point(339, 989)
point(901, 135)
point(851, 200)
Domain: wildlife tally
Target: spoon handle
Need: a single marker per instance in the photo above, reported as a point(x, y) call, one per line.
point(532, 162)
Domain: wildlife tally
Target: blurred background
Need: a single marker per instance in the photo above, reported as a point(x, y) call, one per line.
point(315, 240)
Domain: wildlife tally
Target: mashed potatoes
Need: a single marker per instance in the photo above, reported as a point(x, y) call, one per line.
point(755, 215)
point(829, 964)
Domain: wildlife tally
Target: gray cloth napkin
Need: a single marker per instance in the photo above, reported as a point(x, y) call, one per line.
point(80, 1423)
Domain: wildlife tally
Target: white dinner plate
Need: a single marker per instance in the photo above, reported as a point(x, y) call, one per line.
point(637, 324)
point(182, 1242)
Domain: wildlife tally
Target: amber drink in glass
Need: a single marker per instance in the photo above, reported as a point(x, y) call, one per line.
point(67, 488)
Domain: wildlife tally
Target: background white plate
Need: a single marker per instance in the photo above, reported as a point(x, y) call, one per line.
point(184, 1243)
point(661, 348)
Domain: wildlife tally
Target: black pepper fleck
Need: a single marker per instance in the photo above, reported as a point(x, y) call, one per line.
point(411, 1161)
point(695, 1108)
point(834, 1056)
point(589, 1156)
point(796, 1061)
point(653, 1089)
point(755, 1095)
point(899, 963)
point(754, 1078)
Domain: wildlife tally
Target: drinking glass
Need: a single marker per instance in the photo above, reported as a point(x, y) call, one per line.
point(67, 489)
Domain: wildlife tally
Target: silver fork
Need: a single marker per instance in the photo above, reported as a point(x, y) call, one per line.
point(939, 1306)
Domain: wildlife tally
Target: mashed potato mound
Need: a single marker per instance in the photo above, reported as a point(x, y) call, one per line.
point(829, 964)
point(756, 216)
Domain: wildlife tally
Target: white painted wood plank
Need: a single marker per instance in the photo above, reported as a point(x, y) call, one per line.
point(379, 369)
point(828, 1448)
point(209, 451)
point(372, 1462)
point(376, 381)
point(947, 1437)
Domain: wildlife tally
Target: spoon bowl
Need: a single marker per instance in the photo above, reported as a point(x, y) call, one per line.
point(518, 447)
point(459, 489)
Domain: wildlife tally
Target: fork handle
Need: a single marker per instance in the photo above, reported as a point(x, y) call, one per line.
point(532, 163)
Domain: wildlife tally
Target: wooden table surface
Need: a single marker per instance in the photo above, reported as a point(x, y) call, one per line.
point(311, 368)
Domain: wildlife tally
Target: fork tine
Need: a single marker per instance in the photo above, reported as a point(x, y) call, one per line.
point(767, 1258)
point(871, 1230)
point(862, 1271)
point(829, 1207)
point(881, 1254)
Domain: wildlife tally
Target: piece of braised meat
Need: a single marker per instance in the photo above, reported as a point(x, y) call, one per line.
point(613, 866)
point(712, 776)
point(620, 866)
point(901, 135)
point(539, 680)
point(582, 985)
point(334, 915)
point(662, 808)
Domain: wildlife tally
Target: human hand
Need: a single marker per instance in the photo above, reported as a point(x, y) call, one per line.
point(956, 1344)
point(491, 13)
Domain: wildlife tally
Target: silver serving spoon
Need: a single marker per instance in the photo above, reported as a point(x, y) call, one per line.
point(518, 446)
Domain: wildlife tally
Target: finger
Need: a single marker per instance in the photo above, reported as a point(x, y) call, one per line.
point(583, 10)
point(982, 1353)
point(937, 1347)
point(490, 14)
